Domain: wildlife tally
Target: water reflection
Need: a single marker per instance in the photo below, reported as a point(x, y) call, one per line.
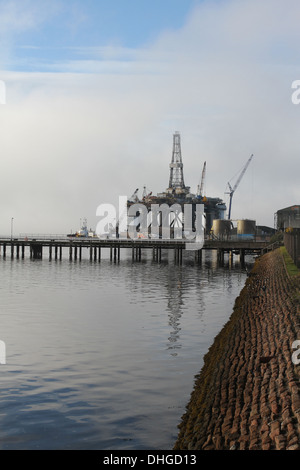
point(174, 285)
point(96, 350)
point(174, 308)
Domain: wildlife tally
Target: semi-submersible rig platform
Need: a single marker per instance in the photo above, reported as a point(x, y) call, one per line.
point(179, 193)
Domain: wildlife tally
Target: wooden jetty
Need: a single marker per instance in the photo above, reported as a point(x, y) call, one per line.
point(37, 246)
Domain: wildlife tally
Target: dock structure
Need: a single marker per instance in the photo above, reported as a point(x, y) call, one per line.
point(38, 248)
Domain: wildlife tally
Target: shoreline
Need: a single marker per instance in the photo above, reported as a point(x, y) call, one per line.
point(247, 394)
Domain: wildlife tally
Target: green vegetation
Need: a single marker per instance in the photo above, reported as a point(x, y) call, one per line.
point(290, 265)
point(277, 237)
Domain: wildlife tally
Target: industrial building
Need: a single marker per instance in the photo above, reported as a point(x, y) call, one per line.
point(288, 217)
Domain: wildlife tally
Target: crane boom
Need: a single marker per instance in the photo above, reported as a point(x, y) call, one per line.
point(242, 173)
point(200, 187)
point(202, 179)
point(134, 197)
point(232, 190)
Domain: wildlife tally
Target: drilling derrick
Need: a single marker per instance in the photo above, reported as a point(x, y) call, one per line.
point(176, 167)
point(179, 193)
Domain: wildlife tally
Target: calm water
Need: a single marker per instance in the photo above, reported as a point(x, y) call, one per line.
point(103, 355)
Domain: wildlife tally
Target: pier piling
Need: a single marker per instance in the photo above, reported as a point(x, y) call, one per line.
point(74, 247)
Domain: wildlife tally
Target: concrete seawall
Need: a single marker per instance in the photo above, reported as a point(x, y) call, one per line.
point(247, 395)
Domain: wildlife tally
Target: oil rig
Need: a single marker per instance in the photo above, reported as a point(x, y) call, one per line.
point(178, 193)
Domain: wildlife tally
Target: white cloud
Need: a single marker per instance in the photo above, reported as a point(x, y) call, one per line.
point(71, 141)
point(18, 17)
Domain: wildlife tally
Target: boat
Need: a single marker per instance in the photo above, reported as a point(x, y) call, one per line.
point(83, 232)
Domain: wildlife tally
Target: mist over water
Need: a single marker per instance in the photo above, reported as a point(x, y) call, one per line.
point(103, 355)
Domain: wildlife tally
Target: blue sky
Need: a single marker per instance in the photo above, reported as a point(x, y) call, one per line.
point(77, 30)
point(96, 89)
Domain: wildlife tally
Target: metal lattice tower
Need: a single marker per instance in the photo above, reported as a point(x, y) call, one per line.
point(176, 166)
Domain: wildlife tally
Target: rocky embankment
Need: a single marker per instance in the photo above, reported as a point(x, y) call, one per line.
point(247, 395)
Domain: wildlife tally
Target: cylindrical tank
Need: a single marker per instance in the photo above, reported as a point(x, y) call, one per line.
point(246, 227)
point(221, 227)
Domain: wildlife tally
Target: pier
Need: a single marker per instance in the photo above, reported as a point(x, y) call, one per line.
point(43, 246)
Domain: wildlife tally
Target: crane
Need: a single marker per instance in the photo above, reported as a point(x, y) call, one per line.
point(134, 197)
point(232, 190)
point(200, 187)
point(145, 193)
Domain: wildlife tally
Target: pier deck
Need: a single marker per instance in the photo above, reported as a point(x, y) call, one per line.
point(74, 246)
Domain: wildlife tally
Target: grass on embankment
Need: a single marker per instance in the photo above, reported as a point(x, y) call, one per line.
point(291, 268)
